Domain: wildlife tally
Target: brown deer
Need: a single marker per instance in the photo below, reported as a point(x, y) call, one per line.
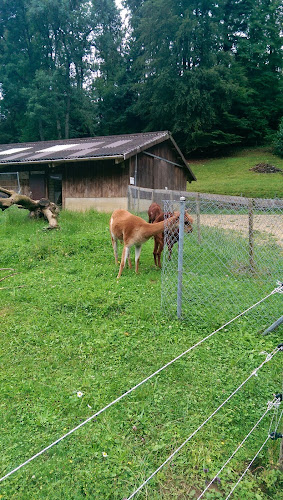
point(132, 230)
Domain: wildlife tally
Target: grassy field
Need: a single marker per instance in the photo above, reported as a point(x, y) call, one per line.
point(73, 339)
point(232, 175)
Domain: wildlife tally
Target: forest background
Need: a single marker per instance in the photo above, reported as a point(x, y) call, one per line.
point(210, 72)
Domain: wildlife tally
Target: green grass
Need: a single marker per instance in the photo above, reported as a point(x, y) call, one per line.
point(232, 175)
point(68, 326)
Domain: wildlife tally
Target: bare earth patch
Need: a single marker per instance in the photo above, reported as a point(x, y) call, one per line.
point(266, 224)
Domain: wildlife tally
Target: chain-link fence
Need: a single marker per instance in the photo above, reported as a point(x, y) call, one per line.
point(139, 199)
point(233, 254)
point(10, 180)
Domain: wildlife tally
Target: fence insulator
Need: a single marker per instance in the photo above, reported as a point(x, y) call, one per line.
point(275, 435)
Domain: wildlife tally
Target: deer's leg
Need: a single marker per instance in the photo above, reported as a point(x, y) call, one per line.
point(160, 250)
point(170, 246)
point(114, 245)
point(137, 257)
point(155, 250)
point(129, 261)
point(125, 255)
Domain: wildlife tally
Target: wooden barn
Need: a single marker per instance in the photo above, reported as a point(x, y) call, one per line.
point(95, 172)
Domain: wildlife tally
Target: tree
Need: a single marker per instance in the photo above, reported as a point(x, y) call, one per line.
point(209, 71)
point(112, 87)
point(43, 55)
point(192, 72)
point(278, 143)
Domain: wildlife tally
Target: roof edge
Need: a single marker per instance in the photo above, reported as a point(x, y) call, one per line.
point(62, 160)
point(163, 137)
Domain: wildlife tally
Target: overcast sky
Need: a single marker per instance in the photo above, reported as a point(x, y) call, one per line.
point(124, 12)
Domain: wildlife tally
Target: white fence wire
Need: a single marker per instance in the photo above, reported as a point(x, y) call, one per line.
point(89, 419)
point(268, 358)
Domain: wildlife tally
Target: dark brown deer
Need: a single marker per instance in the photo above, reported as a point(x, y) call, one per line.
point(157, 215)
point(153, 212)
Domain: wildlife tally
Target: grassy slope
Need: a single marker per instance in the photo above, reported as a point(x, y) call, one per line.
point(232, 175)
point(72, 327)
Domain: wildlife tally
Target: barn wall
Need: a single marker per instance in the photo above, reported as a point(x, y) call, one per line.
point(159, 174)
point(33, 179)
point(101, 185)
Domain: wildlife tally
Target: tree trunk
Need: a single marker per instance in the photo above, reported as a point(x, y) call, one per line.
point(37, 208)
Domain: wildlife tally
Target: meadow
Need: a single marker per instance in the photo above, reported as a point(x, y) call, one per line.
point(231, 174)
point(73, 339)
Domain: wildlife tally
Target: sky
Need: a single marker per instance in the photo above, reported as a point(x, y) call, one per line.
point(123, 11)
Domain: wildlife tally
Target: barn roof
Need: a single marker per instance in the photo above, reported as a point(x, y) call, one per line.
point(93, 148)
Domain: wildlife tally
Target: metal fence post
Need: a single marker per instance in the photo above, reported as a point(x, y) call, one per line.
point(251, 235)
point(180, 256)
point(198, 216)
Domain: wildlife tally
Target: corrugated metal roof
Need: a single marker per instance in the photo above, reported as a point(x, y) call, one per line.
point(120, 146)
point(111, 146)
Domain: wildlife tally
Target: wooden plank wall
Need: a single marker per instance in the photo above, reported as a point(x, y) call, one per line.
point(159, 174)
point(95, 179)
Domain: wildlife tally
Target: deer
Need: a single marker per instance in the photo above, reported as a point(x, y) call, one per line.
point(153, 212)
point(156, 215)
point(132, 230)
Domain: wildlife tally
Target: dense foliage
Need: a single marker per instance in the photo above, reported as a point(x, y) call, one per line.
point(278, 145)
point(208, 71)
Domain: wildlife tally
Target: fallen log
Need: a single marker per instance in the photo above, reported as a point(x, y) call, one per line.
point(37, 208)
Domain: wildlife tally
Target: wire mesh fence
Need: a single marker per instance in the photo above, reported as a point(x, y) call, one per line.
point(233, 253)
point(10, 180)
point(139, 199)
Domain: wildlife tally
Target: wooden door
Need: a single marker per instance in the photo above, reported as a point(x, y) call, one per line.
point(37, 185)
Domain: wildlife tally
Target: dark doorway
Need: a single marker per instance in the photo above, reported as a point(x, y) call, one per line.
point(37, 185)
point(55, 188)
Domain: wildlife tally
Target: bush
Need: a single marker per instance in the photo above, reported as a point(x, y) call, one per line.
point(278, 144)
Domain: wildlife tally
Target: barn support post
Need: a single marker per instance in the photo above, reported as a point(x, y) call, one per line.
point(251, 235)
point(180, 256)
point(198, 217)
point(130, 198)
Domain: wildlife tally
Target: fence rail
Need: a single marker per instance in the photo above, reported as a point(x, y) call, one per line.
point(140, 198)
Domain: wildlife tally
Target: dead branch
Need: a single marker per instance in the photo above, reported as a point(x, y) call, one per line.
point(37, 208)
point(6, 287)
point(8, 276)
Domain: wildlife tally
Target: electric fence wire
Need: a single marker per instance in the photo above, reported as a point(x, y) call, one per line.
point(278, 289)
point(252, 461)
point(270, 405)
point(254, 373)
